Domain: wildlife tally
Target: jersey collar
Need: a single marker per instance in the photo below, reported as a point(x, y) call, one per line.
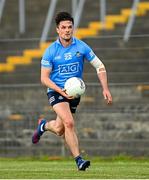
point(73, 41)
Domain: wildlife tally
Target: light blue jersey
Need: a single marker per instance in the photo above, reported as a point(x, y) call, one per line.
point(66, 62)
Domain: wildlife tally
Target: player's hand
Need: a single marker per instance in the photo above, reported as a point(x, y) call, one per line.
point(107, 96)
point(66, 95)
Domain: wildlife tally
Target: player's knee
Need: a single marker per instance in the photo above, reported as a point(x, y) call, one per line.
point(69, 124)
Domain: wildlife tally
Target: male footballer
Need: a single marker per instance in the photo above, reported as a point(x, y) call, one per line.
point(62, 60)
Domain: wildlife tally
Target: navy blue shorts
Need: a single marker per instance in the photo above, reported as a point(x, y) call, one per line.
point(55, 98)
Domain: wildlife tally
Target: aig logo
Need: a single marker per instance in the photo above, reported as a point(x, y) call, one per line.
point(69, 68)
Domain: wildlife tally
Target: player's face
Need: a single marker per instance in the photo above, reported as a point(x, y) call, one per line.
point(65, 30)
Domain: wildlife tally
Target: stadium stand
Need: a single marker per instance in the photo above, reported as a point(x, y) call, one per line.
point(120, 129)
point(94, 28)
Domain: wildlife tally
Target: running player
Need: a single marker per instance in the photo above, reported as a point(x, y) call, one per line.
point(64, 59)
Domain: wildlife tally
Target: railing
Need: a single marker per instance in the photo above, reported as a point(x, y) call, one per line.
point(77, 9)
point(33, 43)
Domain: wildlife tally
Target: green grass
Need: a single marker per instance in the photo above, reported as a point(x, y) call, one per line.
point(45, 168)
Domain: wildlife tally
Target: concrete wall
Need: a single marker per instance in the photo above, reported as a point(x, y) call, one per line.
point(122, 128)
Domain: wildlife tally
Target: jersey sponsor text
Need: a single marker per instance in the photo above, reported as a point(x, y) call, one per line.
point(69, 68)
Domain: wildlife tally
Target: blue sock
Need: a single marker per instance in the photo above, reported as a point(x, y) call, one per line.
point(78, 158)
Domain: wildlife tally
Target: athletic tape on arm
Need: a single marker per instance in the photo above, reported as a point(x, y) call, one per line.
point(98, 65)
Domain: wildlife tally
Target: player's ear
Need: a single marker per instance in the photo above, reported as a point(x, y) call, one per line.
point(57, 29)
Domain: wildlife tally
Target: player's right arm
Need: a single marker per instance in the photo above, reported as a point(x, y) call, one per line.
point(46, 68)
point(45, 80)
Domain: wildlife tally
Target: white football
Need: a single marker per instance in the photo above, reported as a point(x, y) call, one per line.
point(74, 87)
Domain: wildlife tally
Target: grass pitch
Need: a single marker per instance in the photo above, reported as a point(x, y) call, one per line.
point(45, 168)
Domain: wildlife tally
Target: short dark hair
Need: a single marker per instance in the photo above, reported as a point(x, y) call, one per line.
point(63, 16)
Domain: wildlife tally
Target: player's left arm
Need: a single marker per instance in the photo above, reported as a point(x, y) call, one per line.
point(101, 71)
point(102, 76)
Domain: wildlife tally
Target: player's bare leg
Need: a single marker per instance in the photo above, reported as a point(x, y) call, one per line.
point(55, 126)
point(63, 111)
point(63, 125)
